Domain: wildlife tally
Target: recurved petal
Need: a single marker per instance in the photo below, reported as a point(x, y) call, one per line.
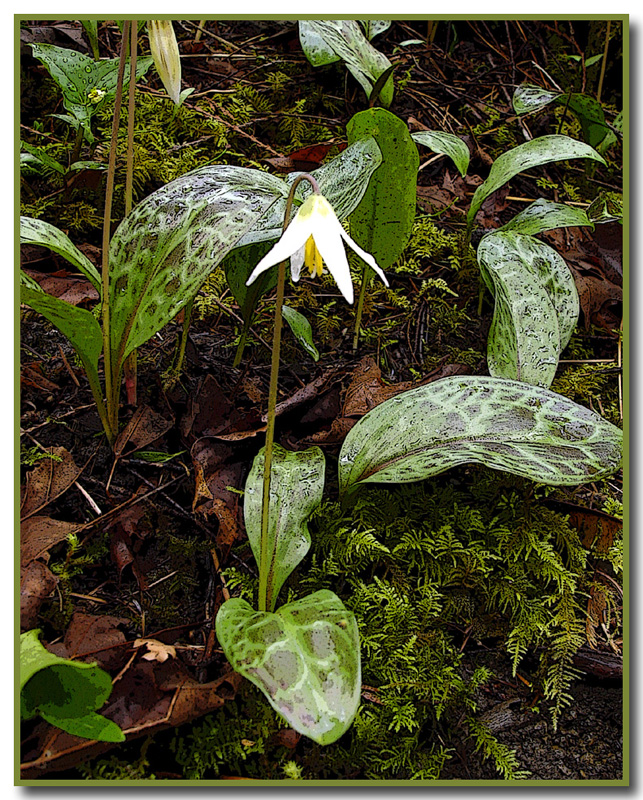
point(292, 240)
point(363, 255)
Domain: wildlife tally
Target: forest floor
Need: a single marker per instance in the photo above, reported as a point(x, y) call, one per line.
point(148, 543)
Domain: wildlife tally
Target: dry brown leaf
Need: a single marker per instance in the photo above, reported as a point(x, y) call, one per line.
point(36, 584)
point(145, 427)
point(48, 480)
point(93, 637)
point(39, 534)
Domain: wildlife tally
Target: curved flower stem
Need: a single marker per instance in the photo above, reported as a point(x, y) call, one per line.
point(265, 565)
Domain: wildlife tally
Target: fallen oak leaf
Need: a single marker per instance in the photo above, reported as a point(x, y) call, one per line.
point(36, 584)
point(50, 478)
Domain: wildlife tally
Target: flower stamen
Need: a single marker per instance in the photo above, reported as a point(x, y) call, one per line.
point(313, 259)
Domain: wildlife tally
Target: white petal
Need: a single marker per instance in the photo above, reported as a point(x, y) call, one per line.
point(296, 263)
point(363, 254)
point(331, 247)
point(292, 240)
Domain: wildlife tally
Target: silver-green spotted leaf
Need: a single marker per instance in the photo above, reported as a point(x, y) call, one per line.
point(324, 41)
point(296, 489)
point(305, 658)
point(545, 215)
point(446, 143)
point(506, 425)
point(37, 231)
point(535, 153)
point(164, 249)
point(545, 264)
point(527, 98)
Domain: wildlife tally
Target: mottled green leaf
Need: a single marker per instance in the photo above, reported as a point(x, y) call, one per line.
point(545, 215)
point(79, 77)
point(65, 693)
point(382, 222)
point(447, 143)
point(296, 489)
point(527, 99)
point(238, 265)
point(547, 266)
point(305, 659)
point(324, 41)
point(535, 153)
point(524, 339)
point(606, 207)
point(373, 27)
point(507, 425)
point(36, 231)
point(164, 249)
point(78, 325)
point(301, 329)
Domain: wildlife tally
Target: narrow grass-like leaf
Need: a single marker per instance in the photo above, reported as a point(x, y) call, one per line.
point(447, 143)
point(536, 153)
point(545, 215)
point(506, 425)
point(296, 488)
point(42, 157)
point(382, 222)
point(163, 251)
point(37, 231)
point(373, 27)
point(301, 329)
point(305, 659)
point(320, 39)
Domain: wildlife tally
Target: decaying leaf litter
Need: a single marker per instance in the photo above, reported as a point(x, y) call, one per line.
point(181, 460)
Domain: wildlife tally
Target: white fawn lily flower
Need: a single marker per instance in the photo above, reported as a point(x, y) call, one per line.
point(315, 234)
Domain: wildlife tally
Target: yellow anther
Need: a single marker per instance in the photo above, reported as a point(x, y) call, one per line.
point(312, 258)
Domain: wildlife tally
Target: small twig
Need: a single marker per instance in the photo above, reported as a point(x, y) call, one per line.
point(89, 498)
point(69, 369)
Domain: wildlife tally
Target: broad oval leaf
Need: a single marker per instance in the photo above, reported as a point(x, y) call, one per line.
point(37, 231)
point(301, 329)
point(447, 143)
point(164, 249)
point(545, 215)
point(320, 39)
point(545, 264)
point(296, 489)
point(305, 658)
point(382, 222)
point(506, 425)
point(536, 153)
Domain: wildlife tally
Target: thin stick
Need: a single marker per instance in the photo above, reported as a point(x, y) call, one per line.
point(111, 393)
point(604, 62)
